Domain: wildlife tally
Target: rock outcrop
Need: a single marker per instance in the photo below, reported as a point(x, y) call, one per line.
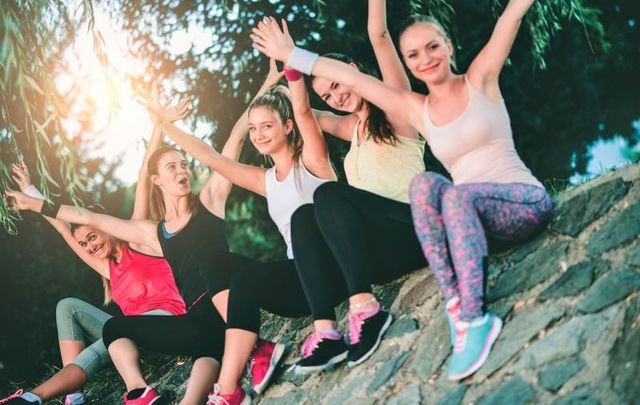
point(571, 304)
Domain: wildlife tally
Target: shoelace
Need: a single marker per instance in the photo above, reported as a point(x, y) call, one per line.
point(216, 398)
point(461, 337)
point(12, 396)
point(356, 320)
point(311, 343)
point(454, 312)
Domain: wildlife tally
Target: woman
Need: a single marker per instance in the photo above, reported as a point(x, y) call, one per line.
point(467, 127)
point(137, 282)
point(190, 235)
point(368, 218)
point(291, 137)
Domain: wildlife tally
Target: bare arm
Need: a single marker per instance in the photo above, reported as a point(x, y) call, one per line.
point(393, 74)
point(315, 154)
point(141, 203)
point(486, 67)
point(340, 126)
point(21, 177)
point(402, 104)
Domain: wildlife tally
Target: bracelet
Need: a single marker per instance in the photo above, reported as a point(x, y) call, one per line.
point(50, 210)
point(32, 191)
point(292, 75)
point(302, 60)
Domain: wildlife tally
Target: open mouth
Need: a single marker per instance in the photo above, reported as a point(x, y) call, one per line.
point(97, 249)
point(183, 181)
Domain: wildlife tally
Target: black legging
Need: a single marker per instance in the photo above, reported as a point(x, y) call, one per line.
point(198, 333)
point(276, 286)
point(371, 237)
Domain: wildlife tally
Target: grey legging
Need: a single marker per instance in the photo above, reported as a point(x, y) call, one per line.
point(79, 320)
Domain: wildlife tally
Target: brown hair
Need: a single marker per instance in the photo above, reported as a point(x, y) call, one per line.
point(278, 100)
point(156, 202)
point(377, 124)
point(432, 21)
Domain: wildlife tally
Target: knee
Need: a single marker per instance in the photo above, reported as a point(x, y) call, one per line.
point(67, 306)
point(301, 218)
point(111, 331)
point(425, 183)
point(454, 197)
point(327, 192)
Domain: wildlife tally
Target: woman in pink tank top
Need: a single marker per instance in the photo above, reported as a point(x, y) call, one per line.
point(136, 280)
point(467, 127)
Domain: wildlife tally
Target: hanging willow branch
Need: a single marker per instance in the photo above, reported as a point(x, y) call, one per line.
point(34, 35)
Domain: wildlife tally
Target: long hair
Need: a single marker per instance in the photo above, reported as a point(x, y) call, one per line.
point(278, 100)
point(377, 124)
point(432, 21)
point(106, 284)
point(156, 200)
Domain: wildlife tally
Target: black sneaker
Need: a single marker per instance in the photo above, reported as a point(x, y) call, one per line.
point(365, 335)
point(321, 352)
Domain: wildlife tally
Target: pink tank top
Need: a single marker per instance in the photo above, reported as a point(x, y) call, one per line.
point(477, 146)
point(141, 283)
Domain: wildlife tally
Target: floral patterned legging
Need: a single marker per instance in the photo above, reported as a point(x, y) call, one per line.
point(451, 221)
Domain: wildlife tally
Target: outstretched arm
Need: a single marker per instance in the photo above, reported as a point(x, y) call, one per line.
point(21, 177)
point(218, 187)
point(142, 232)
point(486, 67)
point(402, 104)
point(315, 154)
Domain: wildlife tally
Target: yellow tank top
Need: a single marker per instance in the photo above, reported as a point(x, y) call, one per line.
point(382, 168)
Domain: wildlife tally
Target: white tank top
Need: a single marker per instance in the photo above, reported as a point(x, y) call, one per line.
point(285, 197)
point(477, 146)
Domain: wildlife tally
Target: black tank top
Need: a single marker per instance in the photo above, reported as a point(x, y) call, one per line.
point(193, 250)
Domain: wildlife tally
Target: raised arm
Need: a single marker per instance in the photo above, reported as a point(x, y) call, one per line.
point(393, 73)
point(486, 67)
point(218, 187)
point(315, 154)
point(142, 232)
point(21, 177)
point(402, 104)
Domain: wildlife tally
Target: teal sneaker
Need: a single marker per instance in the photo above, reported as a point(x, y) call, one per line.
point(473, 344)
point(452, 309)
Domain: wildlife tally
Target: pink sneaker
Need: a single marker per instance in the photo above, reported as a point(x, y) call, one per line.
point(239, 397)
point(265, 359)
point(148, 397)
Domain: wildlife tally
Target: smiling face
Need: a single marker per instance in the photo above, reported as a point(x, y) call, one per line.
point(427, 52)
point(337, 95)
point(172, 174)
point(96, 243)
point(267, 131)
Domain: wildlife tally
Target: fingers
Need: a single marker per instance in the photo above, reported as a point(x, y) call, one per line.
point(285, 28)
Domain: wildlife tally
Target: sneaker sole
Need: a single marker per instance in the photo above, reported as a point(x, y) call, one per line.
point(327, 366)
point(368, 354)
point(246, 400)
point(277, 356)
point(496, 328)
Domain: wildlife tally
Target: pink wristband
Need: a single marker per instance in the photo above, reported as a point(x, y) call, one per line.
point(292, 75)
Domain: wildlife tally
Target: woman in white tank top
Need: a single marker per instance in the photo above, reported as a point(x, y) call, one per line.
point(466, 124)
point(300, 164)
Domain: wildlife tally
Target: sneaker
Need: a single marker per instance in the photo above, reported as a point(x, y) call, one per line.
point(473, 344)
point(452, 310)
point(77, 398)
point(266, 357)
point(16, 398)
point(365, 334)
point(149, 396)
point(321, 351)
point(239, 397)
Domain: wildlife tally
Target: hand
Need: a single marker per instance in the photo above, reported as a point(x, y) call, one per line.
point(17, 200)
point(269, 39)
point(273, 75)
point(161, 112)
point(21, 175)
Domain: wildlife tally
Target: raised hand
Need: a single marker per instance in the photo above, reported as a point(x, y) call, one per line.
point(158, 111)
point(273, 75)
point(21, 175)
point(271, 40)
